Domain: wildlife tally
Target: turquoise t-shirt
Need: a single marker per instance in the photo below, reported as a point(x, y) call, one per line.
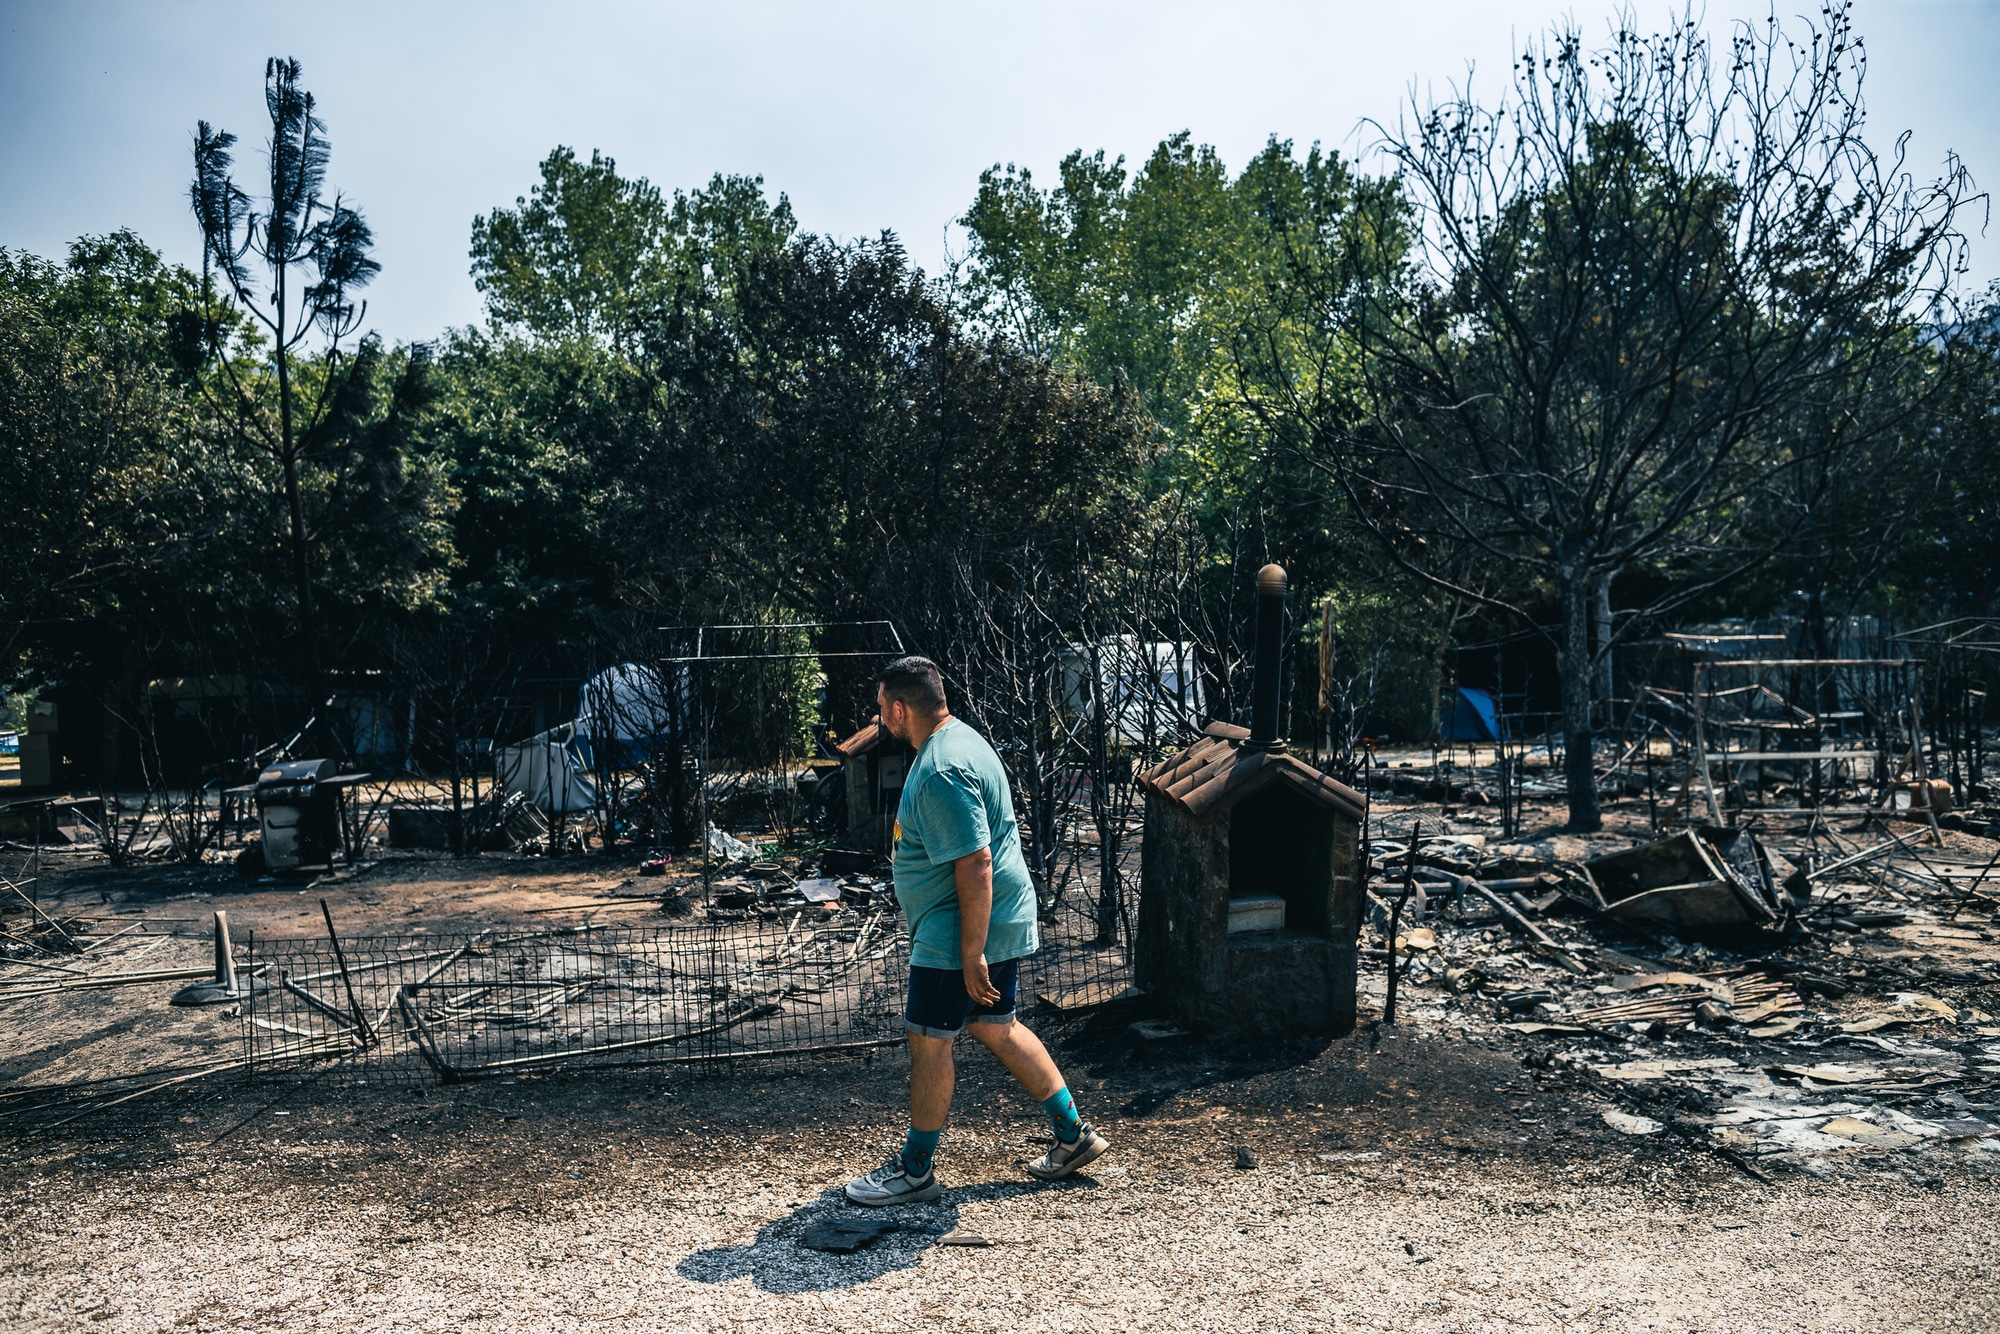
point(955, 802)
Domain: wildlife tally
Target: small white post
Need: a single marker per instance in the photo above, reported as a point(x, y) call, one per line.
point(225, 960)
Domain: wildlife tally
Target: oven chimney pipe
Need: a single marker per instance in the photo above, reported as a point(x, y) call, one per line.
point(1270, 648)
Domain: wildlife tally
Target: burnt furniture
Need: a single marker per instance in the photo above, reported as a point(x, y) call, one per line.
point(1714, 877)
point(875, 764)
point(1250, 886)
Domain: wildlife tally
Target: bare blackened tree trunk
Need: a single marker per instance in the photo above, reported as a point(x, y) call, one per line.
point(455, 831)
point(454, 673)
point(676, 784)
point(1601, 639)
point(1106, 820)
point(1041, 783)
point(1579, 768)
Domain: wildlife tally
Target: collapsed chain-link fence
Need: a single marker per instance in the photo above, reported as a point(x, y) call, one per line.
point(726, 986)
point(499, 1002)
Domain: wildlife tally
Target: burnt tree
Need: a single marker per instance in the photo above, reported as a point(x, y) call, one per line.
point(1626, 281)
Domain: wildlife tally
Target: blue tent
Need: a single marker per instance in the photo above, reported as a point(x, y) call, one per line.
point(1472, 716)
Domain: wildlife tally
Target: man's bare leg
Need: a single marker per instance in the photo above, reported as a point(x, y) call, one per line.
point(1077, 1142)
point(906, 1178)
point(1023, 1054)
point(931, 1080)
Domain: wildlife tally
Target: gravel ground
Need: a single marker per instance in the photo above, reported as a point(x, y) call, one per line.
point(1396, 1186)
point(1440, 1175)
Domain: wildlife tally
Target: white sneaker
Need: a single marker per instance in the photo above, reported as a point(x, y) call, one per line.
point(1063, 1159)
point(891, 1183)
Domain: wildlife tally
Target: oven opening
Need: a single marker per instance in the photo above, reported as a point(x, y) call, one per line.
point(1280, 864)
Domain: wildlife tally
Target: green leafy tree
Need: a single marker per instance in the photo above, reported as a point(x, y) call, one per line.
point(93, 406)
point(142, 525)
point(588, 254)
point(841, 447)
point(1142, 276)
point(1174, 281)
point(531, 433)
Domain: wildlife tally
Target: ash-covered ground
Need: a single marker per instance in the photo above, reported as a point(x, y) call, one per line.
point(1482, 1163)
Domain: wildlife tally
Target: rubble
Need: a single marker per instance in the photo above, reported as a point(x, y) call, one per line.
point(1748, 1006)
point(1627, 1124)
point(1687, 881)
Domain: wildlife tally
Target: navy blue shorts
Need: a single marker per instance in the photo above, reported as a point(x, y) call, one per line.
point(940, 1008)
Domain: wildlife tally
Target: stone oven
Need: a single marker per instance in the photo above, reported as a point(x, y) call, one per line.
point(1250, 884)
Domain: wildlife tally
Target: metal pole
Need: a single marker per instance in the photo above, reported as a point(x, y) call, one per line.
point(1396, 916)
point(340, 957)
point(225, 962)
point(1701, 740)
point(1265, 680)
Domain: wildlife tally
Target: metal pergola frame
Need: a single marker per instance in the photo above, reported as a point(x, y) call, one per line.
point(701, 633)
point(700, 657)
point(1701, 759)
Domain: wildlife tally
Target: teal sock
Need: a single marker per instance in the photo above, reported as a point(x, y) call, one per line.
point(1062, 1115)
point(919, 1147)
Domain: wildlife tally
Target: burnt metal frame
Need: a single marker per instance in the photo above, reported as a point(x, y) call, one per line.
point(701, 633)
point(1701, 760)
point(1952, 641)
point(698, 657)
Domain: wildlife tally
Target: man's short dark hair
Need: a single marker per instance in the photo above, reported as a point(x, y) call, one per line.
point(915, 681)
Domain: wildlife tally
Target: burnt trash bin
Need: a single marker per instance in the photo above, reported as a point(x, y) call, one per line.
point(299, 813)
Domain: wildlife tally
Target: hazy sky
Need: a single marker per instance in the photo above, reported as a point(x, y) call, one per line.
point(869, 116)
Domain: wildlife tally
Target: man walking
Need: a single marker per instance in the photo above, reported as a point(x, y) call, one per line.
point(970, 905)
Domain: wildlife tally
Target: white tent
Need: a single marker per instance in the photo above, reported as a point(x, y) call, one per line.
point(545, 770)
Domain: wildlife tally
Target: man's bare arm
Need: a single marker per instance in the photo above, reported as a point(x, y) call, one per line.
point(973, 874)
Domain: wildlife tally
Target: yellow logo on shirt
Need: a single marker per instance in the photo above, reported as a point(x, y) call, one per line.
point(899, 831)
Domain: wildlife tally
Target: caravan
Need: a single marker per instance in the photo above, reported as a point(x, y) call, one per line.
point(1152, 691)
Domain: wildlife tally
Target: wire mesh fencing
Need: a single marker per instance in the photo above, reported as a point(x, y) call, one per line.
point(496, 1002)
point(709, 991)
point(1087, 928)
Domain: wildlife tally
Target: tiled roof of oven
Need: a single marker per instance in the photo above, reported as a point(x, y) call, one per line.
point(1216, 772)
